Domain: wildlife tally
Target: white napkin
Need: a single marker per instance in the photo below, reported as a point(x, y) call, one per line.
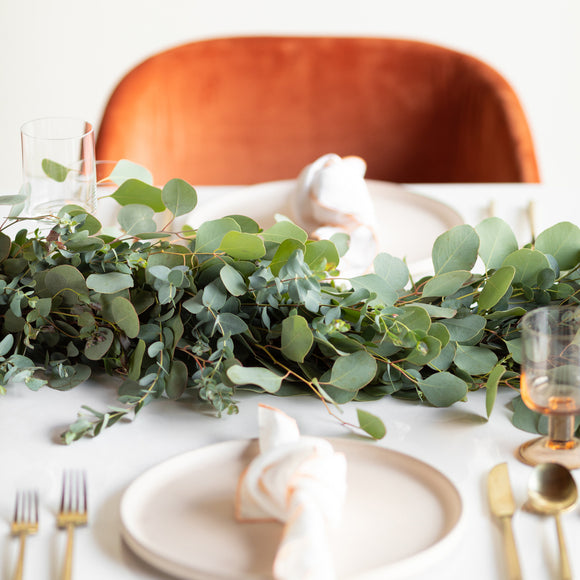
point(300, 481)
point(332, 197)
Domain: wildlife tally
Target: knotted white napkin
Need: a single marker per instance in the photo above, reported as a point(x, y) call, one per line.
point(332, 197)
point(300, 481)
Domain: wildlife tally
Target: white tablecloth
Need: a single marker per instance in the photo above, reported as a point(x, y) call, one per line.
point(458, 441)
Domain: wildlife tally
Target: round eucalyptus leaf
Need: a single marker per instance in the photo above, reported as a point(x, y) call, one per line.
point(464, 329)
point(528, 264)
point(475, 360)
point(136, 219)
point(125, 170)
point(66, 281)
point(179, 197)
point(426, 350)
point(563, 242)
point(297, 338)
point(284, 230)
point(125, 316)
point(455, 249)
point(80, 374)
point(393, 270)
point(214, 296)
point(497, 241)
point(109, 283)
point(210, 234)
point(242, 246)
point(99, 343)
point(443, 389)
point(260, 376)
point(135, 192)
point(353, 371)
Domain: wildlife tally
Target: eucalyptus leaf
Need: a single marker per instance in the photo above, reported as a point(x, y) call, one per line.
point(133, 191)
point(443, 389)
point(125, 170)
point(55, 170)
point(353, 371)
point(125, 316)
point(136, 219)
point(109, 283)
point(297, 338)
point(497, 242)
point(496, 287)
point(563, 242)
point(262, 377)
point(371, 424)
point(179, 197)
point(242, 246)
point(455, 249)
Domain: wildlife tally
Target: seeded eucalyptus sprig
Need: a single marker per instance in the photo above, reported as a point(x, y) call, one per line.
point(177, 313)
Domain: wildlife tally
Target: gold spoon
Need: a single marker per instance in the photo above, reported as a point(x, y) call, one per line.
point(551, 491)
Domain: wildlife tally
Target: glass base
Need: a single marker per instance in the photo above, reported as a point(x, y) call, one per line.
point(539, 451)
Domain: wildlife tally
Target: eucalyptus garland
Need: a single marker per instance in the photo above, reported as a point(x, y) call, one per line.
point(176, 312)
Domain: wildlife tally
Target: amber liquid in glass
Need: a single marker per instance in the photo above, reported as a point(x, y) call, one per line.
point(550, 399)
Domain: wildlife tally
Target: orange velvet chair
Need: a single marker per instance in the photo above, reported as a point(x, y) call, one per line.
point(253, 109)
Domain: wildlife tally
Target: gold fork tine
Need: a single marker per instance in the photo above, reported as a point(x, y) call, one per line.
point(24, 522)
point(73, 512)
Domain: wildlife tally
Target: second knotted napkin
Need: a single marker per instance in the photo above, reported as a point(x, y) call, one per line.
point(300, 481)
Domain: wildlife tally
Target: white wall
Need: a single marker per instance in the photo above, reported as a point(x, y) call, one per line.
point(64, 57)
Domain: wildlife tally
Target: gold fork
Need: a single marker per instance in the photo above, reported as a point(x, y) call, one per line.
point(25, 522)
point(73, 512)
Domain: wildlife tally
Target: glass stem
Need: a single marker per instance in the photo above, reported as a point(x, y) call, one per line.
point(561, 431)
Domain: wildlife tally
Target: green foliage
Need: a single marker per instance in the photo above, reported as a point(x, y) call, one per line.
point(227, 307)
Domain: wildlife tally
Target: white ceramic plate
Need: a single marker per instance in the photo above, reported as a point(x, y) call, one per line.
point(409, 223)
point(401, 516)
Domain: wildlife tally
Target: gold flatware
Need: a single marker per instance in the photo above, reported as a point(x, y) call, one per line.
point(551, 491)
point(24, 523)
point(502, 505)
point(73, 512)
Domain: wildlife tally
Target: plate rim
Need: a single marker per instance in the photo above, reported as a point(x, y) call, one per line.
point(402, 568)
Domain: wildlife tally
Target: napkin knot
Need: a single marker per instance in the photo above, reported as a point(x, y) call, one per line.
point(300, 481)
point(332, 197)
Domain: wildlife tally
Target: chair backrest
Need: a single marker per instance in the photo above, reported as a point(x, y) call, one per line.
point(253, 109)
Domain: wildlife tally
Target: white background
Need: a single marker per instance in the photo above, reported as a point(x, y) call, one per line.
point(64, 57)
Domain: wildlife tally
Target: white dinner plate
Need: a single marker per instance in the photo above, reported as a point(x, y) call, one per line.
point(409, 223)
point(401, 516)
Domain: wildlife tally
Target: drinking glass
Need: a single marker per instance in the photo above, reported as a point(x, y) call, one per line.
point(58, 163)
point(550, 382)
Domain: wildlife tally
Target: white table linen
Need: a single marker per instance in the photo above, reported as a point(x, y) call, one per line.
point(458, 441)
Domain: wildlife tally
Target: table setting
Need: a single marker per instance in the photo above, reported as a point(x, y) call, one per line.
point(192, 387)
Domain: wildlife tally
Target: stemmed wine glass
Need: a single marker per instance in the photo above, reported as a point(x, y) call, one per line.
point(550, 382)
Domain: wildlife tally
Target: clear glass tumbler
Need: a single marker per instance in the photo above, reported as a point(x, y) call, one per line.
point(58, 163)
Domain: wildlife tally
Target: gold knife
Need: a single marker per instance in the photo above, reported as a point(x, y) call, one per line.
point(503, 506)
